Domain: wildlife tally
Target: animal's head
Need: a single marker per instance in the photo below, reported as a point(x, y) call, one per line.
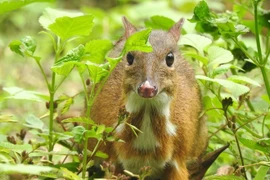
point(149, 74)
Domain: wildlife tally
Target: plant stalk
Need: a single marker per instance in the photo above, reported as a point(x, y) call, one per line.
point(266, 80)
point(89, 99)
point(51, 115)
point(52, 93)
point(240, 153)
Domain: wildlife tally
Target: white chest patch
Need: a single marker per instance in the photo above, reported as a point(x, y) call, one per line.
point(147, 139)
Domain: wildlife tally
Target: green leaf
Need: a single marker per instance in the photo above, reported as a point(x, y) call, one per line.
point(78, 133)
point(223, 68)
point(196, 41)
point(69, 175)
point(45, 171)
point(254, 145)
point(64, 65)
point(15, 46)
point(202, 59)
point(72, 166)
point(93, 134)
point(73, 55)
point(16, 147)
point(261, 173)
point(21, 94)
point(138, 42)
point(101, 155)
point(225, 177)
point(218, 55)
point(7, 118)
point(201, 12)
point(100, 129)
point(159, 22)
point(113, 61)
point(229, 29)
point(79, 120)
point(232, 87)
point(10, 5)
point(96, 72)
point(67, 27)
point(50, 15)
point(97, 50)
point(67, 105)
point(65, 68)
point(243, 79)
point(34, 122)
point(24, 47)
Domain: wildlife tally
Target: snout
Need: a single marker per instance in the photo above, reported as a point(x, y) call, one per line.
point(147, 90)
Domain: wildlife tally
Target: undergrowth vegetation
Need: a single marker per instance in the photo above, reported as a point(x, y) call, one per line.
point(60, 52)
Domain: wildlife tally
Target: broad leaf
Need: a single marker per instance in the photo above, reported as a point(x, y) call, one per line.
point(45, 171)
point(69, 175)
point(73, 55)
point(50, 15)
point(201, 12)
point(10, 5)
point(223, 68)
point(218, 55)
point(64, 65)
point(113, 61)
point(159, 22)
point(79, 120)
point(78, 133)
point(67, 27)
point(7, 118)
point(224, 177)
point(100, 129)
point(196, 56)
point(21, 94)
point(243, 79)
point(254, 145)
point(65, 68)
point(93, 134)
point(34, 122)
point(101, 155)
point(96, 50)
point(67, 105)
point(196, 41)
point(232, 87)
point(261, 173)
point(138, 42)
point(16, 147)
point(96, 72)
point(24, 47)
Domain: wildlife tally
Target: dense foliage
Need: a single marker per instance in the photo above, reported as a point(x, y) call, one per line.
point(43, 135)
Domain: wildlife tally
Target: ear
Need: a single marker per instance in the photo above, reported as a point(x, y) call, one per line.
point(175, 30)
point(129, 28)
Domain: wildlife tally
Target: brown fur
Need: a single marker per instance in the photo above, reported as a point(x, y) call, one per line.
point(178, 82)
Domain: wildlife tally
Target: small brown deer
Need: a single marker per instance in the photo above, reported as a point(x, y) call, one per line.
point(161, 94)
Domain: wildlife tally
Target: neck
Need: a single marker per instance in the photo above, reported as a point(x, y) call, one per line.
point(151, 116)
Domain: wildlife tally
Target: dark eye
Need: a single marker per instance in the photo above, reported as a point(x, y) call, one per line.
point(130, 58)
point(169, 59)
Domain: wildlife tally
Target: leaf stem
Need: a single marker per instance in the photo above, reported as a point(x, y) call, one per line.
point(240, 153)
point(266, 80)
point(52, 93)
point(89, 103)
point(257, 33)
point(51, 115)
